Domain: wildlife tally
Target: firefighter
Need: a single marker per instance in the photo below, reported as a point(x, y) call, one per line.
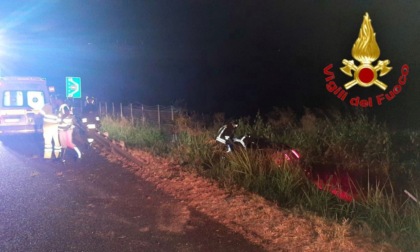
point(90, 105)
point(65, 130)
point(225, 135)
point(50, 132)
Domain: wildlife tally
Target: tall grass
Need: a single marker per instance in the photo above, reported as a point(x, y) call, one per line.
point(348, 143)
point(381, 164)
point(137, 135)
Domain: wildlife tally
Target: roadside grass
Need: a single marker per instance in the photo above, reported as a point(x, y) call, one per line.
point(376, 163)
point(136, 135)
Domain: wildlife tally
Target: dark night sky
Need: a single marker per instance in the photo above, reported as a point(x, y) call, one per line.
point(236, 56)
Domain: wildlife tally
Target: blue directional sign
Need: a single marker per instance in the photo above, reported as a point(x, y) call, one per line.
point(73, 87)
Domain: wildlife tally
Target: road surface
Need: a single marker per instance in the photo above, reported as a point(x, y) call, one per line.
point(92, 205)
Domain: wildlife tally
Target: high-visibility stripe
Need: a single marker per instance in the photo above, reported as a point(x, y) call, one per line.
point(51, 120)
point(66, 123)
point(51, 116)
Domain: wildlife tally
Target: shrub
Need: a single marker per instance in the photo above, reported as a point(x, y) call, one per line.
point(381, 164)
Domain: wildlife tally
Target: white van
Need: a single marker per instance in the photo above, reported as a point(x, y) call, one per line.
point(21, 98)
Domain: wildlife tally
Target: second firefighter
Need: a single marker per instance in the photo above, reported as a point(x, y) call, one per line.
point(65, 131)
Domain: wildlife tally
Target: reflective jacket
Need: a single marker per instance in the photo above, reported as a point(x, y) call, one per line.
point(49, 119)
point(66, 118)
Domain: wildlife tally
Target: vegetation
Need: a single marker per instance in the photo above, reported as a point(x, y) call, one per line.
point(351, 153)
point(136, 134)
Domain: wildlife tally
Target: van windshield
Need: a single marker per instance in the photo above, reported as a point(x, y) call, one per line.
point(23, 99)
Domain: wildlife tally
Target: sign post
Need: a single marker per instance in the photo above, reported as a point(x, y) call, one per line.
point(73, 87)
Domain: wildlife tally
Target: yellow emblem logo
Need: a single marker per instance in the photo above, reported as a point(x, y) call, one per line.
point(366, 50)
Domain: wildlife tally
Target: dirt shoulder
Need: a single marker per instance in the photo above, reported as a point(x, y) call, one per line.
point(258, 220)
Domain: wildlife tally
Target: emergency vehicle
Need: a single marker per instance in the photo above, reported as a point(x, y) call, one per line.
point(21, 99)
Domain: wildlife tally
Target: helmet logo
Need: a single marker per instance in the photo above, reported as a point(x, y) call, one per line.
point(366, 50)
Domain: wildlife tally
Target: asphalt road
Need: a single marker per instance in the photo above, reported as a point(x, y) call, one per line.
point(93, 205)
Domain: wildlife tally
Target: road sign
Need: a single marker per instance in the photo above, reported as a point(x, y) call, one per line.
point(73, 87)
